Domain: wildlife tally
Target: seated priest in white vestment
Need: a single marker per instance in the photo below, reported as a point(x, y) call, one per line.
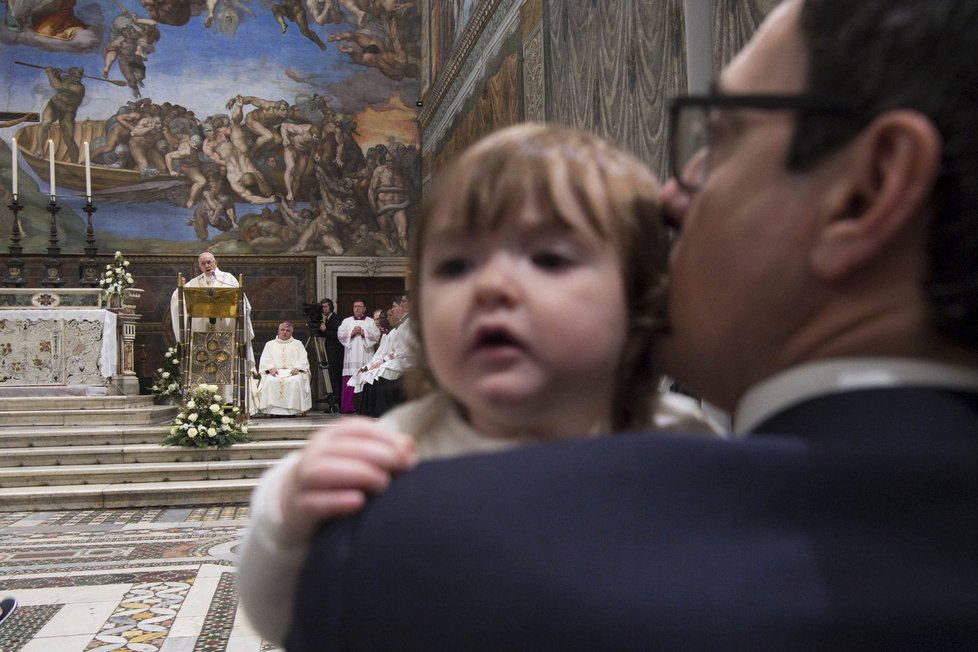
point(283, 386)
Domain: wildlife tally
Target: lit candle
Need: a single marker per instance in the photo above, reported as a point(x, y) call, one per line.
point(54, 193)
point(88, 175)
point(16, 165)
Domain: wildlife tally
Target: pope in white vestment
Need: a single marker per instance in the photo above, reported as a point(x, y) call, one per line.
point(284, 386)
point(211, 276)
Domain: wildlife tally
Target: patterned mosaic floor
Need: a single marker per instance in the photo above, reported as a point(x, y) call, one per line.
point(145, 580)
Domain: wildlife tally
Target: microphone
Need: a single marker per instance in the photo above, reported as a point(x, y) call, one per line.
point(213, 320)
point(216, 279)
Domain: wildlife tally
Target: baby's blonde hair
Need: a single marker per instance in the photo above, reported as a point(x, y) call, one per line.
point(490, 182)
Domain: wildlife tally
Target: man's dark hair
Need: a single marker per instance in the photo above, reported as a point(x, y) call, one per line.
point(329, 302)
point(886, 54)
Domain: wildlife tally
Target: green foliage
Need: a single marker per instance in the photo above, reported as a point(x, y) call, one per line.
point(116, 279)
point(204, 421)
point(167, 382)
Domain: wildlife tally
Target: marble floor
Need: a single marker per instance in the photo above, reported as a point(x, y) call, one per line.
point(146, 580)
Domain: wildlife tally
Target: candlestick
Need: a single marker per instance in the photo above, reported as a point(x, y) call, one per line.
point(54, 193)
point(15, 264)
point(88, 268)
point(88, 175)
point(52, 275)
point(16, 165)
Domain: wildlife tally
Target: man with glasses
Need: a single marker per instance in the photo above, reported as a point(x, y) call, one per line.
point(825, 290)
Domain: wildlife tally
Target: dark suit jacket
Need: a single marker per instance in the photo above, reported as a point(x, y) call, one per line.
point(334, 350)
point(857, 530)
point(332, 326)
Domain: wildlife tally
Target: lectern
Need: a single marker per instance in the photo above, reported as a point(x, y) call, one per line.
point(212, 339)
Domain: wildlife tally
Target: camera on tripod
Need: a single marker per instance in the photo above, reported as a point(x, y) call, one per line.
point(314, 315)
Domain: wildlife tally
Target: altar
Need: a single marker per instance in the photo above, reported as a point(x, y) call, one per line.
point(57, 346)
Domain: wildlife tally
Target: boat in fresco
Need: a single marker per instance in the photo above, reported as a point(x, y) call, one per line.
point(71, 175)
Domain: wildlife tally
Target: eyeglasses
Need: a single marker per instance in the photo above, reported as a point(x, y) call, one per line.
point(691, 134)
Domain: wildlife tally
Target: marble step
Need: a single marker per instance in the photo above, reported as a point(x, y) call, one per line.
point(92, 452)
point(15, 391)
point(143, 453)
point(35, 403)
point(106, 435)
point(101, 474)
point(137, 494)
point(137, 415)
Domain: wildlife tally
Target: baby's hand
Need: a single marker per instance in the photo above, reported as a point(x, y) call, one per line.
point(337, 469)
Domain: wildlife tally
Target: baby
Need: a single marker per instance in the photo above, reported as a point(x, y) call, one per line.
point(539, 291)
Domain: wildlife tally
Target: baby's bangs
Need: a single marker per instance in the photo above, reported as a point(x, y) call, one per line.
point(573, 175)
point(488, 189)
point(502, 183)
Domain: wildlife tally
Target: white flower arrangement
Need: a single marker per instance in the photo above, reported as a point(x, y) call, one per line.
point(210, 424)
point(116, 278)
point(167, 382)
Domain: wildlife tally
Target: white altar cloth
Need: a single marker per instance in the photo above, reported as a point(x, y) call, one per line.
point(109, 353)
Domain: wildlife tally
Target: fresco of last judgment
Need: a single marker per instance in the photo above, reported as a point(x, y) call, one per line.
point(233, 126)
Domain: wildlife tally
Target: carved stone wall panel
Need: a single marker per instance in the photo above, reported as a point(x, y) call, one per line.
point(531, 15)
point(734, 22)
point(426, 46)
point(534, 89)
point(612, 68)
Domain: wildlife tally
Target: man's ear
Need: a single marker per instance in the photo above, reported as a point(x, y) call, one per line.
point(890, 172)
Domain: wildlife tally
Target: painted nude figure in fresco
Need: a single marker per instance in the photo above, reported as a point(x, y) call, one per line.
point(216, 208)
point(263, 121)
point(228, 147)
point(295, 11)
point(61, 108)
point(144, 135)
point(320, 229)
point(324, 12)
point(116, 134)
point(389, 197)
point(274, 230)
point(131, 40)
point(186, 158)
point(386, 38)
point(388, 55)
point(365, 10)
point(299, 142)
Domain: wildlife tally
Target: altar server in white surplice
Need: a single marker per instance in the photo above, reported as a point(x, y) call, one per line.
point(358, 335)
point(284, 387)
point(381, 383)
